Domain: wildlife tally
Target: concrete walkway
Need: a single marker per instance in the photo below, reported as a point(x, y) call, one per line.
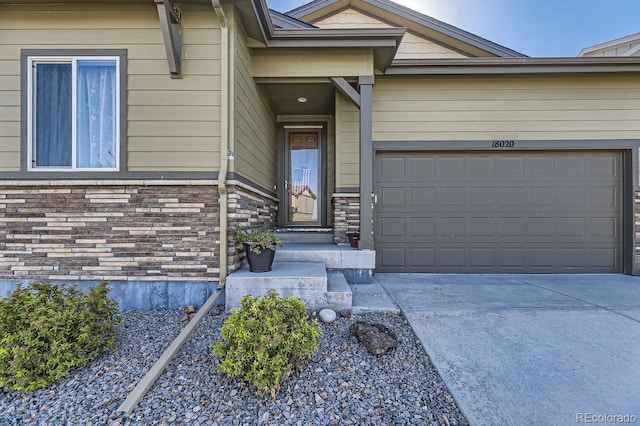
point(530, 349)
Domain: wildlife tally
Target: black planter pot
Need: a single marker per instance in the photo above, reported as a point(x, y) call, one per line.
point(259, 262)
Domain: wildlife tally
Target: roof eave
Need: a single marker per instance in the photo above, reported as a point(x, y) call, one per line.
point(499, 66)
point(450, 33)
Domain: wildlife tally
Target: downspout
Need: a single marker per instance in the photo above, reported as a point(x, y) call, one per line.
point(224, 141)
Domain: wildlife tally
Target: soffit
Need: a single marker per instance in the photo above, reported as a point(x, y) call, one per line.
point(284, 98)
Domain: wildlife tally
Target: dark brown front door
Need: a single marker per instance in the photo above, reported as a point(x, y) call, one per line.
point(303, 181)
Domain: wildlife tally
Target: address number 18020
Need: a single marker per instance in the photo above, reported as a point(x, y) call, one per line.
point(503, 144)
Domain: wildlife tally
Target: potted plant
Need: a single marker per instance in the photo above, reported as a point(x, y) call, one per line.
point(354, 237)
point(260, 247)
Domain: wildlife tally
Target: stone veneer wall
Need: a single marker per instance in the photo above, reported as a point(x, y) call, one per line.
point(109, 232)
point(248, 209)
point(346, 216)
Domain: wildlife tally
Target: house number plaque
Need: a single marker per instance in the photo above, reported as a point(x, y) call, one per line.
point(503, 144)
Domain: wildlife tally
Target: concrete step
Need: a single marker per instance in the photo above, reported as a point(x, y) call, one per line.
point(332, 255)
point(311, 236)
point(339, 296)
point(308, 281)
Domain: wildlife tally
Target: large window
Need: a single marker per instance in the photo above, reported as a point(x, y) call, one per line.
point(74, 113)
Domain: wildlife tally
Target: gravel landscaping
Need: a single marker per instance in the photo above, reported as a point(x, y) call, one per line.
point(342, 385)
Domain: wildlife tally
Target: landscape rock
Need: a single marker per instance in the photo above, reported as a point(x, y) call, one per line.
point(328, 315)
point(376, 338)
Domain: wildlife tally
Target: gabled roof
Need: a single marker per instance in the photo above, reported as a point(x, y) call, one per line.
point(401, 16)
point(281, 20)
point(623, 46)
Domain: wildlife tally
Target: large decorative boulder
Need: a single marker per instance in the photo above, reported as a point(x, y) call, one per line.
point(376, 338)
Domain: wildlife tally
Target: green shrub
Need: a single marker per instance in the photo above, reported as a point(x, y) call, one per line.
point(46, 330)
point(265, 338)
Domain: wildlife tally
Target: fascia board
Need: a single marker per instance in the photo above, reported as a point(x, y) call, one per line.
point(443, 28)
point(488, 66)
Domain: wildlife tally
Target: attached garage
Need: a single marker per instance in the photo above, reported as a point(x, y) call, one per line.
point(499, 212)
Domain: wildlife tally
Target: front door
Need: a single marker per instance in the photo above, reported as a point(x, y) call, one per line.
point(303, 196)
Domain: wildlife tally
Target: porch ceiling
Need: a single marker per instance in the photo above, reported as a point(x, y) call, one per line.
point(284, 98)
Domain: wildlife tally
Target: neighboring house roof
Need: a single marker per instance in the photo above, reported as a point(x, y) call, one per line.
point(280, 20)
point(431, 28)
point(623, 46)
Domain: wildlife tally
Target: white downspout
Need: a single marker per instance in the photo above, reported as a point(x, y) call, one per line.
point(224, 140)
point(134, 397)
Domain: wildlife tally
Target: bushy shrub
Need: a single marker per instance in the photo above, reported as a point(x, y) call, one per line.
point(265, 338)
point(46, 330)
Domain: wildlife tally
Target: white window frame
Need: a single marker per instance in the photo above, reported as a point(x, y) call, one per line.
point(31, 103)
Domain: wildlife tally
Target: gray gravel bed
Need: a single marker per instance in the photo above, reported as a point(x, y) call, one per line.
point(342, 385)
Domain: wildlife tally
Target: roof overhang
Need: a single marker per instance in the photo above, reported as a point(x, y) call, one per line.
point(493, 66)
point(416, 22)
point(259, 26)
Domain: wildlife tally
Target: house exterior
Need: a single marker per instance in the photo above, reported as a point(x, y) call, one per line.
point(135, 135)
point(624, 46)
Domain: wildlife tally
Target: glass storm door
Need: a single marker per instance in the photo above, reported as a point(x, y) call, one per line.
point(303, 180)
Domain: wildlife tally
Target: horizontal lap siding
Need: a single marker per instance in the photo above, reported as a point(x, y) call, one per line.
point(255, 123)
point(347, 143)
point(521, 108)
point(173, 124)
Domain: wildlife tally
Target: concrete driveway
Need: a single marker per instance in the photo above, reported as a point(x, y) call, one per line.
point(530, 349)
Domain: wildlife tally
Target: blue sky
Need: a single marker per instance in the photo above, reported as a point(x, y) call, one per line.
point(538, 28)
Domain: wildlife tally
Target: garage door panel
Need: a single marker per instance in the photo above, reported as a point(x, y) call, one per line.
point(393, 197)
point(570, 166)
point(571, 197)
point(482, 166)
point(605, 258)
point(451, 197)
point(603, 165)
point(422, 166)
point(512, 196)
point(450, 166)
point(422, 197)
point(604, 196)
point(481, 257)
point(541, 227)
point(422, 257)
point(512, 257)
point(393, 227)
point(606, 227)
point(542, 258)
point(481, 227)
point(422, 227)
point(510, 167)
point(452, 257)
point(533, 212)
point(482, 196)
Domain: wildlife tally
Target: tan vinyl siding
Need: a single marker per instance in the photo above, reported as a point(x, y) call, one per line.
point(347, 143)
point(173, 124)
point(520, 108)
point(411, 47)
point(255, 123)
point(489, 108)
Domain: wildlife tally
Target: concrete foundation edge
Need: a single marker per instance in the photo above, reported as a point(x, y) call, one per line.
point(141, 295)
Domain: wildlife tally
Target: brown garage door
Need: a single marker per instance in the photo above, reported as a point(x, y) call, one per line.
point(531, 212)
